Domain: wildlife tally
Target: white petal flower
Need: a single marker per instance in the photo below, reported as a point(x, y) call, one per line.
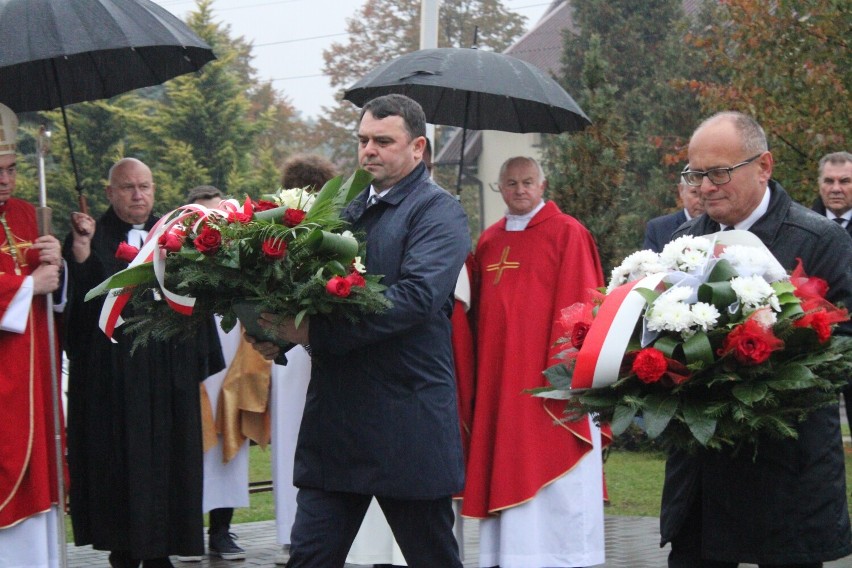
point(752, 291)
point(704, 315)
point(765, 317)
point(636, 266)
point(298, 198)
point(356, 264)
point(669, 316)
point(686, 253)
point(754, 261)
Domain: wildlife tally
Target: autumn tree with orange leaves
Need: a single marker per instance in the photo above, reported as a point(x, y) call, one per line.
point(786, 63)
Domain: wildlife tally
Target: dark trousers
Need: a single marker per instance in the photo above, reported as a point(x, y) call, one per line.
point(686, 547)
point(327, 522)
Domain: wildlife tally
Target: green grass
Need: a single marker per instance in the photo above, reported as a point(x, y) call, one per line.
point(634, 481)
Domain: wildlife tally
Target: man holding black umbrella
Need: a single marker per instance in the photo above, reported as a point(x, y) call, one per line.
point(29, 270)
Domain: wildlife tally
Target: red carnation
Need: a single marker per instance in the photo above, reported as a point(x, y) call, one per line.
point(338, 286)
point(126, 252)
point(649, 365)
point(751, 343)
point(171, 242)
point(209, 241)
point(263, 205)
point(821, 321)
point(355, 279)
point(293, 217)
point(274, 248)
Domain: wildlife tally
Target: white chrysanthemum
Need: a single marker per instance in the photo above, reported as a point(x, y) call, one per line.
point(685, 253)
point(680, 293)
point(668, 316)
point(753, 292)
point(765, 317)
point(298, 198)
point(636, 266)
point(356, 264)
point(754, 261)
point(704, 315)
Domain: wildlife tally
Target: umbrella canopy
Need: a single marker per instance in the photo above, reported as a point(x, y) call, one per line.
point(475, 89)
point(58, 52)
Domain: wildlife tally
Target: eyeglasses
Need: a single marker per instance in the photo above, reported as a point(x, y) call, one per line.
point(145, 188)
point(11, 171)
point(717, 176)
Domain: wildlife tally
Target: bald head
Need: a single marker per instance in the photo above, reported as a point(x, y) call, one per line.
point(131, 190)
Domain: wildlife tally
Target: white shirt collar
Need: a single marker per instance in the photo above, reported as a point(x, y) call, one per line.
point(520, 222)
point(758, 212)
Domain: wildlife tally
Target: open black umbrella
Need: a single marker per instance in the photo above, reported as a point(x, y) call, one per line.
point(57, 52)
point(480, 90)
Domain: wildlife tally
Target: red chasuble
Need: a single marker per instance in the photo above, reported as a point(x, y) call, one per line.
point(525, 279)
point(27, 453)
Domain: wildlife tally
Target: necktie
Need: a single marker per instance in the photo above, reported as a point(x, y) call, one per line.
point(839, 220)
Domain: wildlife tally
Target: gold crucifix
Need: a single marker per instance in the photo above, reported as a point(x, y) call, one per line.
point(504, 264)
point(13, 244)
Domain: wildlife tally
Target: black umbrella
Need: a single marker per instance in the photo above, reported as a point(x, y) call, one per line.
point(480, 90)
point(58, 52)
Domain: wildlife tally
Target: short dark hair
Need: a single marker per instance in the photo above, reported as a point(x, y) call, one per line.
point(398, 105)
point(202, 192)
point(307, 170)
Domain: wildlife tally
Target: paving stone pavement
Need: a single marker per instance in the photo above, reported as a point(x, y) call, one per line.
point(631, 542)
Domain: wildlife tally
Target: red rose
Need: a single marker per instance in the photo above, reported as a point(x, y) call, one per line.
point(274, 249)
point(238, 217)
point(126, 252)
point(293, 217)
point(355, 279)
point(338, 286)
point(649, 365)
point(751, 343)
point(243, 216)
point(209, 241)
point(171, 242)
point(578, 333)
point(818, 321)
point(263, 205)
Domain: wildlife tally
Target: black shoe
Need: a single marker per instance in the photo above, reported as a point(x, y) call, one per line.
point(164, 562)
point(122, 559)
point(222, 544)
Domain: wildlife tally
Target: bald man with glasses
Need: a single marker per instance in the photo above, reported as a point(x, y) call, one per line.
point(782, 504)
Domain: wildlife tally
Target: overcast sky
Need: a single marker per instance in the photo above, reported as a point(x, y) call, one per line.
point(289, 37)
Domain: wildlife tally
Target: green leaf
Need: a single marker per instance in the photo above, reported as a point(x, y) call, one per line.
point(332, 244)
point(722, 272)
point(649, 295)
point(792, 377)
point(130, 276)
point(667, 345)
point(749, 393)
point(622, 417)
point(700, 424)
point(720, 294)
point(559, 376)
point(698, 348)
point(658, 412)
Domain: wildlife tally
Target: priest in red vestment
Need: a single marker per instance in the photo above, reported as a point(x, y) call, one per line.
point(536, 483)
point(29, 269)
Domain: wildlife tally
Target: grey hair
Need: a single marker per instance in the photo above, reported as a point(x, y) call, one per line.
point(528, 159)
point(836, 158)
point(752, 136)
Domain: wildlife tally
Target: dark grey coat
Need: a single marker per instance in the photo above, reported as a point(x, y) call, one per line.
point(659, 230)
point(381, 416)
point(788, 506)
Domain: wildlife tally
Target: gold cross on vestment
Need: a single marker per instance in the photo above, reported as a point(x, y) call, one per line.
point(13, 244)
point(504, 264)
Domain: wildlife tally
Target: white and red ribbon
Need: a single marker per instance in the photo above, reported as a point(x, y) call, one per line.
point(599, 360)
point(110, 316)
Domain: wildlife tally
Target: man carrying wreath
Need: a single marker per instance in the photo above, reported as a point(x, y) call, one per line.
point(380, 417)
point(783, 503)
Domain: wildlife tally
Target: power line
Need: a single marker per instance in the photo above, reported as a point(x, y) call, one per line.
point(299, 39)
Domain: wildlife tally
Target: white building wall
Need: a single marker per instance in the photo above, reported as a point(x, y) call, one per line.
point(497, 147)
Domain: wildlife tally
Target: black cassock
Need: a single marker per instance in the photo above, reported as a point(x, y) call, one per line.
point(134, 421)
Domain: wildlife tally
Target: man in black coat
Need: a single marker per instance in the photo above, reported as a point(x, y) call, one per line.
point(835, 202)
point(134, 417)
point(659, 230)
point(786, 506)
point(381, 417)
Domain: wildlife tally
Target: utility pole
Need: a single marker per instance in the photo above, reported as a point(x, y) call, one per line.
point(429, 40)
